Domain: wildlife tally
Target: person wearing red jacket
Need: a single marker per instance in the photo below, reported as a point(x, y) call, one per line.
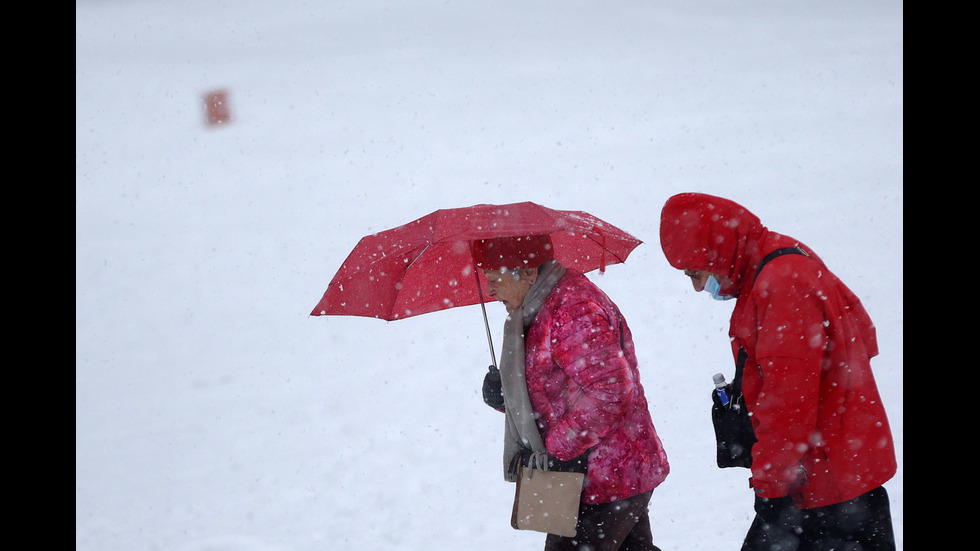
point(570, 390)
point(824, 447)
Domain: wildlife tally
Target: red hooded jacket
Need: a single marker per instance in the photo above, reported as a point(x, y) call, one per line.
point(584, 386)
point(823, 436)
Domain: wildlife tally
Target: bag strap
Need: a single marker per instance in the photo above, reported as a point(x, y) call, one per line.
point(775, 254)
point(742, 355)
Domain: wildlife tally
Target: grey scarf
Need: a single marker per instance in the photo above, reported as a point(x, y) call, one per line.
point(520, 429)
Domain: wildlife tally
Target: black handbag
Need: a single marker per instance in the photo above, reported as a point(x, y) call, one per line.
point(734, 435)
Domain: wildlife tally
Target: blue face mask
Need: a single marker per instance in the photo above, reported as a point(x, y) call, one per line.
point(714, 289)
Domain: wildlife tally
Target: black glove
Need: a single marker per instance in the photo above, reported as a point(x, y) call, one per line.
point(578, 464)
point(493, 395)
point(778, 511)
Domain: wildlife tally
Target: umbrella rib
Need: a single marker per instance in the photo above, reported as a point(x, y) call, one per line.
point(404, 271)
point(608, 251)
point(427, 245)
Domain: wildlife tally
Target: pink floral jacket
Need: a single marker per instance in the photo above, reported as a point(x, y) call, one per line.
point(584, 385)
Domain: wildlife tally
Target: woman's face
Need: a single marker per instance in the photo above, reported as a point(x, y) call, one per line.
point(510, 286)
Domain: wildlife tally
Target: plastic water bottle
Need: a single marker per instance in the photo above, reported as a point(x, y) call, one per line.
point(720, 388)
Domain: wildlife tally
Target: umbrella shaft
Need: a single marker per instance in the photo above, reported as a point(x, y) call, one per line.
point(486, 322)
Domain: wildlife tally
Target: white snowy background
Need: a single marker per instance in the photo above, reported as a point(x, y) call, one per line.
point(214, 414)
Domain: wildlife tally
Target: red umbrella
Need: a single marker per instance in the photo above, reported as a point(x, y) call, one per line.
point(425, 265)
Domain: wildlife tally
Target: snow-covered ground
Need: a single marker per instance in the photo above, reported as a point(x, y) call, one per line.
point(214, 414)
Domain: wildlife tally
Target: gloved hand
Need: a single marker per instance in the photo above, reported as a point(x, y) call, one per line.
point(578, 464)
point(493, 394)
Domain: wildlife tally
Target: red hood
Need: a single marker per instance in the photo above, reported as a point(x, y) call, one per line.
point(704, 232)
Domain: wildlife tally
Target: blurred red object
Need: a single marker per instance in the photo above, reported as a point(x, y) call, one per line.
point(216, 105)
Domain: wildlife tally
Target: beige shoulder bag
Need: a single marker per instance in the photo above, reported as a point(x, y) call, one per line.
point(547, 501)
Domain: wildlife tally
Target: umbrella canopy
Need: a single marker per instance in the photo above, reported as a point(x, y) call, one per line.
point(426, 265)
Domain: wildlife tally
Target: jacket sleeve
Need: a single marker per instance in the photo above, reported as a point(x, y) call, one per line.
point(788, 354)
point(586, 346)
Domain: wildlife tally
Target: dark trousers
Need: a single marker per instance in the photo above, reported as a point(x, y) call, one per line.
point(861, 524)
point(622, 525)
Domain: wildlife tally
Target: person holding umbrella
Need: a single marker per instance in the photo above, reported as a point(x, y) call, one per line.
point(570, 390)
point(803, 344)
